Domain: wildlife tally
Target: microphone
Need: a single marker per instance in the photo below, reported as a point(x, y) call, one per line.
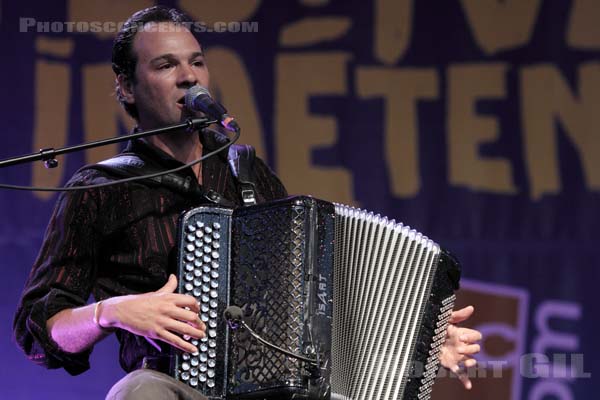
point(234, 317)
point(198, 98)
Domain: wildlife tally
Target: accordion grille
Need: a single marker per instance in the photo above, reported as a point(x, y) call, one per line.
point(383, 273)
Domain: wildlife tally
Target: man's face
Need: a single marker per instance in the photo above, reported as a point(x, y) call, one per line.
point(169, 61)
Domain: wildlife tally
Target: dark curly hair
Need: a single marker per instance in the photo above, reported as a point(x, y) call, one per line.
point(124, 59)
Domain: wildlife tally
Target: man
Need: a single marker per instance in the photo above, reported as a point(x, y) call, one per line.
point(117, 242)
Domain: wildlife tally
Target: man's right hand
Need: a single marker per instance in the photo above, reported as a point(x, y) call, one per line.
point(160, 315)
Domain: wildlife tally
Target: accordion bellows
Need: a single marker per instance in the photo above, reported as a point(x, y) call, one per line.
point(367, 298)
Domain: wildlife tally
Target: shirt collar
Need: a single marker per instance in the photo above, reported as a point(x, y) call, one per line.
point(210, 139)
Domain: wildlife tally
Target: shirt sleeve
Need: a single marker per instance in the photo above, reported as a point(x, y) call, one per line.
point(62, 277)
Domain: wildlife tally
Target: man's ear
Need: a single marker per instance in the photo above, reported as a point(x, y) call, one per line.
point(125, 89)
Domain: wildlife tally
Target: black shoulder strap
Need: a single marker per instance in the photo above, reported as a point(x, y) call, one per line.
point(127, 165)
point(241, 161)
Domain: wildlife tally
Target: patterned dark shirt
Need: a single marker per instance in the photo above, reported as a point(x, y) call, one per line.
point(115, 241)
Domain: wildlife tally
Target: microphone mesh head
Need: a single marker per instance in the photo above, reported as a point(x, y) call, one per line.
point(193, 93)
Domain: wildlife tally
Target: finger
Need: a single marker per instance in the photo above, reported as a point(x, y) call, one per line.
point(470, 335)
point(170, 286)
point(469, 349)
point(176, 341)
point(187, 316)
point(462, 376)
point(470, 362)
point(184, 300)
point(185, 329)
point(461, 315)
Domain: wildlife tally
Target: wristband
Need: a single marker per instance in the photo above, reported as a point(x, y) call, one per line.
point(96, 318)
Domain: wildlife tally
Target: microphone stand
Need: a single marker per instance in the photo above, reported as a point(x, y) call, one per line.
point(48, 155)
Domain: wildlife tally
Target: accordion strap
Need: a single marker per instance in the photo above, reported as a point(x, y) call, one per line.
point(241, 161)
point(128, 165)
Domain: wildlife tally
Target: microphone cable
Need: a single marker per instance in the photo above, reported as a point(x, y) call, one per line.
point(124, 180)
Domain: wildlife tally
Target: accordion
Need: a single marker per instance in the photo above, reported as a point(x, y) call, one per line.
point(362, 300)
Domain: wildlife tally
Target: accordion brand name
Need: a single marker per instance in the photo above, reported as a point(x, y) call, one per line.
point(322, 295)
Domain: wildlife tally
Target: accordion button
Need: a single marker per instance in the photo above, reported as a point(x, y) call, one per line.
point(205, 298)
point(190, 247)
point(194, 362)
point(189, 287)
point(212, 363)
point(205, 288)
point(215, 265)
point(212, 353)
point(212, 343)
point(212, 313)
point(198, 253)
point(194, 382)
point(204, 308)
point(207, 249)
point(213, 304)
point(197, 282)
point(185, 376)
point(210, 373)
point(214, 284)
point(197, 263)
point(189, 267)
point(202, 378)
point(185, 356)
point(189, 276)
point(197, 272)
point(206, 259)
point(191, 228)
point(203, 348)
point(214, 274)
point(216, 225)
point(210, 383)
point(211, 334)
point(194, 372)
point(199, 234)
point(212, 324)
point(205, 278)
point(207, 229)
point(206, 269)
point(199, 224)
point(199, 243)
point(216, 245)
point(191, 238)
point(202, 368)
point(215, 254)
point(197, 292)
point(190, 257)
point(185, 366)
point(216, 235)
point(207, 239)
point(214, 294)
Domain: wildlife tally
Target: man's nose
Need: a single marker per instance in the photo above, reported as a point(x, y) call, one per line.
point(186, 76)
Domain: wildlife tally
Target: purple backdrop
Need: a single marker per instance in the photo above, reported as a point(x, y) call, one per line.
point(499, 101)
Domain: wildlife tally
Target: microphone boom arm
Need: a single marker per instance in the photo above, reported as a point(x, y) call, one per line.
point(48, 155)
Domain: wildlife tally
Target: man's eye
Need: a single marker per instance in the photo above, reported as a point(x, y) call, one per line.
point(198, 63)
point(165, 66)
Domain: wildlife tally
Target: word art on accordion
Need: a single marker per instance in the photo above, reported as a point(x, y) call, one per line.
point(363, 302)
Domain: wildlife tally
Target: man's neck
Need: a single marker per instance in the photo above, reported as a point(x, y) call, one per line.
point(182, 146)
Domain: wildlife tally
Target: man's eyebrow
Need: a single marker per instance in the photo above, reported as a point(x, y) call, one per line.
point(171, 56)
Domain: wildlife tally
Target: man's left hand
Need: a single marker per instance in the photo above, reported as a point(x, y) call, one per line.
point(460, 346)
